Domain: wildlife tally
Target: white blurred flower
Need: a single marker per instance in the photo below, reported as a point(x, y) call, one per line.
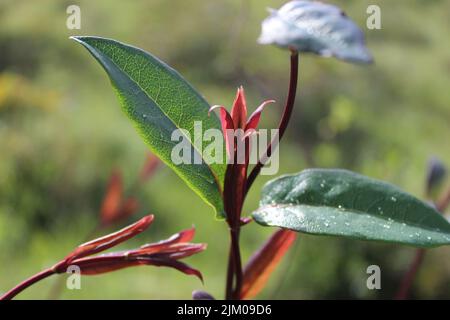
point(310, 26)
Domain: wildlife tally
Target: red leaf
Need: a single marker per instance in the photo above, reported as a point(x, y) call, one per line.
point(120, 260)
point(239, 109)
point(253, 121)
point(110, 240)
point(128, 208)
point(151, 164)
point(103, 264)
point(264, 261)
point(227, 125)
point(113, 198)
point(180, 266)
point(179, 251)
point(183, 236)
point(164, 253)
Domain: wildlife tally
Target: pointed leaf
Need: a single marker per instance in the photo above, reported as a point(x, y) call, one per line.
point(91, 266)
point(113, 198)
point(264, 261)
point(227, 125)
point(110, 240)
point(253, 121)
point(159, 101)
point(183, 236)
point(343, 203)
point(182, 250)
point(113, 262)
point(178, 265)
point(239, 110)
point(128, 208)
point(151, 164)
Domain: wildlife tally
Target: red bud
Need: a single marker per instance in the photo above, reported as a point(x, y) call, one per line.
point(111, 240)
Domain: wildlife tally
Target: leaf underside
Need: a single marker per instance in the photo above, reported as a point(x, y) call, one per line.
point(346, 204)
point(158, 101)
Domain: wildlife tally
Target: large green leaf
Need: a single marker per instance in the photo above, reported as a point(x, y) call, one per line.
point(346, 204)
point(158, 101)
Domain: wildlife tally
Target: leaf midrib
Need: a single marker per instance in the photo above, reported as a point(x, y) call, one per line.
point(156, 103)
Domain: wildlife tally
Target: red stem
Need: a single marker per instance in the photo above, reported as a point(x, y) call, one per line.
point(408, 279)
point(287, 113)
point(230, 275)
point(237, 186)
point(443, 202)
point(414, 267)
point(27, 283)
point(234, 191)
point(238, 263)
point(230, 209)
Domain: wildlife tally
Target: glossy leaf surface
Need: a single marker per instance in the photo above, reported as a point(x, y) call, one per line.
point(343, 203)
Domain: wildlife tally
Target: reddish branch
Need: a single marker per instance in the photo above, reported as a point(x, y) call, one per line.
point(408, 280)
point(287, 113)
point(237, 130)
point(27, 283)
point(237, 182)
point(410, 275)
point(164, 253)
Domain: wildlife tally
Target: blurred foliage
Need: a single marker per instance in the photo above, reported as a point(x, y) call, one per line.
point(62, 132)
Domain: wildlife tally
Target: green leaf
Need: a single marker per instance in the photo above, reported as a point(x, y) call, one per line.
point(346, 204)
point(158, 101)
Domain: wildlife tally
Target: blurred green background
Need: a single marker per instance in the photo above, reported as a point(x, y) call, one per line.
point(62, 132)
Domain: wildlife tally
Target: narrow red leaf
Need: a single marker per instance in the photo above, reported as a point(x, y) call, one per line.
point(109, 263)
point(110, 240)
point(181, 250)
point(227, 127)
point(239, 109)
point(264, 261)
point(151, 164)
point(104, 264)
point(183, 236)
point(113, 198)
point(129, 207)
point(164, 253)
point(178, 265)
point(253, 121)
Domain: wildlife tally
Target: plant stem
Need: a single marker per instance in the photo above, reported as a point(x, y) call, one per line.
point(443, 203)
point(237, 263)
point(27, 283)
point(414, 267)
point(57, 287)
point(287, 113)
point(234, 271)
point(230, 275)
point(409, 277)
point(237, 185)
